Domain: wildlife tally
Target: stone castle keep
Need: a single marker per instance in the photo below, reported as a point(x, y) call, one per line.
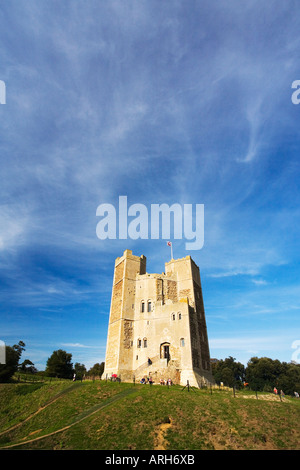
point(158, 317)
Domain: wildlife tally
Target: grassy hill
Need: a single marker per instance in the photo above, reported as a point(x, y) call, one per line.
point(120, 416)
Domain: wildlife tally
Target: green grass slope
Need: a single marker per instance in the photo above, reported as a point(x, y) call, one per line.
point(112, 416)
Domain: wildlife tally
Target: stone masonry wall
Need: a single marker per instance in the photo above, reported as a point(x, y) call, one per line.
point(170, 290)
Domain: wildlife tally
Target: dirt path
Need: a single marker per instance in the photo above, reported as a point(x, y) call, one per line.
point(160, 442)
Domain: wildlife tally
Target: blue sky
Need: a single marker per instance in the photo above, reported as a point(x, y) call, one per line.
point(164, 102)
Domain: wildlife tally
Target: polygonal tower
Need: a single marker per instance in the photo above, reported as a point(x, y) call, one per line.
point(157, 323)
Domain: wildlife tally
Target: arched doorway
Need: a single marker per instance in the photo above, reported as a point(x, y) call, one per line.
point(165, 351)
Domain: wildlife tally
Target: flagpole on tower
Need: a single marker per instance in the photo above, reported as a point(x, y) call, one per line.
point(170, 244)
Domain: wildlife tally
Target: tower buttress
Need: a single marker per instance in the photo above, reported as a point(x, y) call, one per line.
point(120, 328)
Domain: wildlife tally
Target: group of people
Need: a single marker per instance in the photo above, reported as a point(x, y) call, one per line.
point(149, 380)
point(282, 393)
point(165, 382)
point(146, 380)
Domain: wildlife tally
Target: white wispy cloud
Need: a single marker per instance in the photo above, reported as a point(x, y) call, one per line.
point(77, 345)
point(259, 282)
point(253, 343)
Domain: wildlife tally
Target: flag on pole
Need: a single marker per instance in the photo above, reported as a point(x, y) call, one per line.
point(170, 244)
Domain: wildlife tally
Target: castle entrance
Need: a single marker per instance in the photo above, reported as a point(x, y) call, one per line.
point(165, 351)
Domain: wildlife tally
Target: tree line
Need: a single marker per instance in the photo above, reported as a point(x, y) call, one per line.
point(260, 374)
point(59, 365)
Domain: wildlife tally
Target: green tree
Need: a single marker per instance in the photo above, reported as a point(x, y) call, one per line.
point(59, 365)
point(97, 369)
point(27, 366)
point(13, 354)
point(263, 373)
point(20, 347)
point(228, 377)
point(80, 370)
point(230, 372)
point(289, 380)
